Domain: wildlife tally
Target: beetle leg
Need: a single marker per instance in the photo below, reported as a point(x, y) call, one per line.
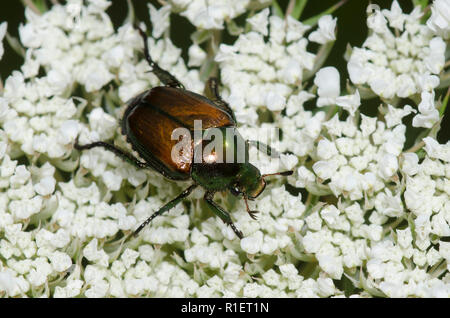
point(164, 76)
point(128, 157)
point(212, 92)
point(166, 207)
point(267, 150)
point(220, 212)
point(252, 213)
point(119, 152)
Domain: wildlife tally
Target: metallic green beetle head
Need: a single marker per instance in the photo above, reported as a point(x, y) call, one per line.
point(250, 182)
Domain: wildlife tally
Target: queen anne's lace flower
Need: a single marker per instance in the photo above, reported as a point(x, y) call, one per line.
point(400, 57)
point(211, 14)
point(373, 213)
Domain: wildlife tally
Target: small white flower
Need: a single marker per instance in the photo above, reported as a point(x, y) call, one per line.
point(275, 101)
point(72, 289)
point(304, 177)
point(159, 19)
point(349, 102)
point(439, 22)
point(389, 205)
point(394, 115)
point(11, 284)
point(326, 31)
point(326, 149)
point(376, 20)
point(45, 186)
point(330, 214)
point(260, 21)
point(252, 244)
point(328, 85)
point(102, 122)
point(436, 59)
point(395, 16)
point(331, 264)
point(129, 257)
point(60, 261)
point(94, 255)
point(196, 55)
point(387, 166)
point(295, 29)
point(444, 250)
point(410, 163)
point(324, 169)
point(211, 15)
point(436, 150)
point(93, 74)
point(428, 114)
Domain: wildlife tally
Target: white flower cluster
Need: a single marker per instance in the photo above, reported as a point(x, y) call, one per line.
point(439, 22)
point(75, 45)
point(375, 214)
point(401, 56)
point(259, 73)
point(211, 14)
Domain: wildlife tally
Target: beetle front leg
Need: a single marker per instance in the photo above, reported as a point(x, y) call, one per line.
point(267, 150)
point(163, 75)
point(166, 207)
point(220, 212)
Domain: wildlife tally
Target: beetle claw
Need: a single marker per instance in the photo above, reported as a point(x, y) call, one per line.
point(252, 214)
point(76, 145)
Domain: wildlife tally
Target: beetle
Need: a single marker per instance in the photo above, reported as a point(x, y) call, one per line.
point(148, 123)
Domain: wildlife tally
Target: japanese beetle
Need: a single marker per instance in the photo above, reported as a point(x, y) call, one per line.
point(148, 124)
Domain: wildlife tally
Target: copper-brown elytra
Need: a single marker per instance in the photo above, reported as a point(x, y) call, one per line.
point(148, 123)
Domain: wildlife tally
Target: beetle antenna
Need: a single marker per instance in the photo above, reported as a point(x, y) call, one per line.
point(283, 173)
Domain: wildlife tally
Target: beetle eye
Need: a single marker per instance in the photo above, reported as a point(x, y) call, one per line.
point(235, 190)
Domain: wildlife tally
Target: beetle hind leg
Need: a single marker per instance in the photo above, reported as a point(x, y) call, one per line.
point(212, 92)
point(110, 147)
point(163, 75)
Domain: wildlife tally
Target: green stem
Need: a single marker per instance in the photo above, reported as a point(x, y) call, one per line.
point(298, 9)
point(444, 103)
point(392, 226)
point(416, 147)
point(313, 21)
point(30, 4)
point(277, 9)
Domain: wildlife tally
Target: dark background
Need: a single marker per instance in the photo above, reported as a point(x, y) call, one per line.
point(351, 28)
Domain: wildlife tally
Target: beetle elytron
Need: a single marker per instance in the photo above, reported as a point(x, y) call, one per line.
point(148, 123)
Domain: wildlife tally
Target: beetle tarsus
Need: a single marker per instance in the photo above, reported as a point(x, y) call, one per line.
point(236, 231)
